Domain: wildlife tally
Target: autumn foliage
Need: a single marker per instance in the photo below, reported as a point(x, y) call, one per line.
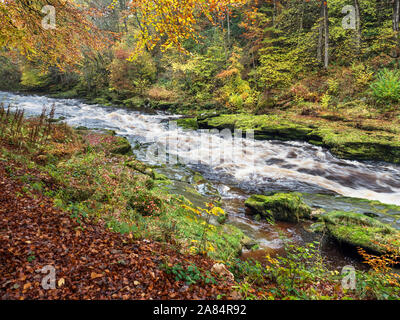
point(74, 32)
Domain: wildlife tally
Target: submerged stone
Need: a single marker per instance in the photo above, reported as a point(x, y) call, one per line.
point(280, 206)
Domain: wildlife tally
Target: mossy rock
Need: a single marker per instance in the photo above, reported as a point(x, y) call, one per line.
point(317, 227)
point(342, 139)
point(142, 168)
point(198, 179)
point(160, 176)
point(122, 146)
point(288, 207)
point(248, 243)
point(359, 230)
point(188, 123)
point(133, 102)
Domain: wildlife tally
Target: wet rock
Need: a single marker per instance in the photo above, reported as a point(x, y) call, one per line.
point(81, 128)
point(248, 243)
point(280, 206)
point(317, 213)
point(359, 230)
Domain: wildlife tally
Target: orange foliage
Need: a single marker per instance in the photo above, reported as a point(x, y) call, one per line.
point(169, 23)
point(21, 29)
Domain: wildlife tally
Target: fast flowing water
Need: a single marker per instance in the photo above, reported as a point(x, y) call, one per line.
point(237, 167)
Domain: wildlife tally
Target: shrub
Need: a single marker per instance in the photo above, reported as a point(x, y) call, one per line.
point(33, 79)
point(145, 203)
point(161, 94)
point(131, 77)
point(190, 274)
point(386, 87)
point(10, 74)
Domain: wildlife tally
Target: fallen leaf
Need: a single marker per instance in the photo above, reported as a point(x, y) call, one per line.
point(95, 275)
point(61, 282)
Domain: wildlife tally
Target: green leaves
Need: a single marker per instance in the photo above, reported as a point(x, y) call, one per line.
point(386, 87)
point(190, 274)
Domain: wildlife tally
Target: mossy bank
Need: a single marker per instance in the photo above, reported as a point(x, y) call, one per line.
point(349, 140)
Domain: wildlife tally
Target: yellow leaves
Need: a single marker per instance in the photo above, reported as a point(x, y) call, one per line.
point(271, 260)
point(61, 282)
point(27, 286)
point(61, 48)
point(169, 23)
point(216, 211)
point(193, 250)
point(210, 247)
point(196, 211)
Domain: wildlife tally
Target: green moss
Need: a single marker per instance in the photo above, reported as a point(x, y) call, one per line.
point(359, 230)
point(188, 123)
point(134, 102)
point(344, 140)
point(280, 206)
point(142, 168)
point(122, 146)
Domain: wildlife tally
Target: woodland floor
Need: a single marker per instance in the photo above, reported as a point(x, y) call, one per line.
point(91, 262)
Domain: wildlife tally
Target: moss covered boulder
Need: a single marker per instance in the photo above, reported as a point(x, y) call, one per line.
point(121, 146)
point(345, 139)
point(280, 206)
point(142, 168)
point(188, 123)
point(359, 230)
point(108, 142)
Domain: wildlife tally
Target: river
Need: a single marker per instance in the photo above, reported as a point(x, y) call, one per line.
point(237, 167)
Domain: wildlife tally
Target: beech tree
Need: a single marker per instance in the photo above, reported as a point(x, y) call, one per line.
point(22, 29)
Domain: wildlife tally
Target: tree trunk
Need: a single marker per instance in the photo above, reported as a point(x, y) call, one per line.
point(326, 34)
point(320, 35)
point(301, 16)
point(274, 13)
point(229, 26)
point(396, 12)
point(358, 25)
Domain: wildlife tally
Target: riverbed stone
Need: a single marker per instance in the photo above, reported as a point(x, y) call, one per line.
point(248, 242)
point(288, 207)
point(359, 230)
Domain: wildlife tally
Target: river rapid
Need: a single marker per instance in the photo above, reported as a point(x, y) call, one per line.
point(237, 167)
